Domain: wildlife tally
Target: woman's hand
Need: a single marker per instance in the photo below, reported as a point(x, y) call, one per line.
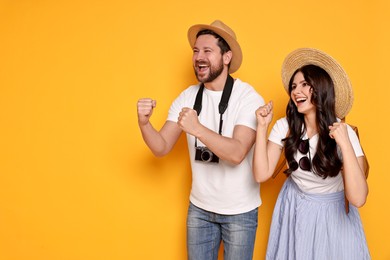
point(339, 132)
point(264, 114)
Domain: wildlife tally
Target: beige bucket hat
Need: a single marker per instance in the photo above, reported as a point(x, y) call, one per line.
point(309, 56)
point(226, 33)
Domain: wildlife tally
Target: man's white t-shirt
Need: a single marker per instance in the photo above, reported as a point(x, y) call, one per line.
point(222, 187)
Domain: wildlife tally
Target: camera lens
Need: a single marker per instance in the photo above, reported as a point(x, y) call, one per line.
point(206, 156)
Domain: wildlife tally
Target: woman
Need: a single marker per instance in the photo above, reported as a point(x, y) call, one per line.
point(324, 159)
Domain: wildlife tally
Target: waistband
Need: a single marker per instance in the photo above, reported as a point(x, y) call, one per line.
point(325, 197)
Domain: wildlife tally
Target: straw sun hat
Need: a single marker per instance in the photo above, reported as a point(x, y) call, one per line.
point(309, 56)
point(226, 33)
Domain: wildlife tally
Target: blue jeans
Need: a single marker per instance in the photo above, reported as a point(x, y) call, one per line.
point(206, 230)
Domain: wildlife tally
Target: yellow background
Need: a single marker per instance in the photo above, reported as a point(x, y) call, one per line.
point(77, 181)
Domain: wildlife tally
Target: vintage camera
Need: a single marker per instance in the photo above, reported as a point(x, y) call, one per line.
point(205, 155)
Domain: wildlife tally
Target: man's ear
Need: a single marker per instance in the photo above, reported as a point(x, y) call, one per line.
point(227, 57)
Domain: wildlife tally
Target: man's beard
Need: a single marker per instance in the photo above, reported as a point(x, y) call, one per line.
point(215, 71)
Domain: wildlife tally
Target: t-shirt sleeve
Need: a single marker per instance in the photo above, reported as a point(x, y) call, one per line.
point(185, 99)
point(279, 131)
point(176, 107)
point(173, 112)
point(247, 115)
point(355, 142)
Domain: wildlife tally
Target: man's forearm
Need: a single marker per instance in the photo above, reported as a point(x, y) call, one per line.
point(153, 139)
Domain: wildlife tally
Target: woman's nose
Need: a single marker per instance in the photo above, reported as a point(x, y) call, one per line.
point(297, 89)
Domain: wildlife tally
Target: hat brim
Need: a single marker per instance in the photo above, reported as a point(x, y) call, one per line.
point(309, 56)
point(233, 44)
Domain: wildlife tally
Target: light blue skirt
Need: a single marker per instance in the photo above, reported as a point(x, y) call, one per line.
point(315, 226)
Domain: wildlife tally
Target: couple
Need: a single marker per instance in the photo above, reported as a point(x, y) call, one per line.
point(226, 123)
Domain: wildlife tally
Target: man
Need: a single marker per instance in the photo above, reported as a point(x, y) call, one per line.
point(221, 132)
